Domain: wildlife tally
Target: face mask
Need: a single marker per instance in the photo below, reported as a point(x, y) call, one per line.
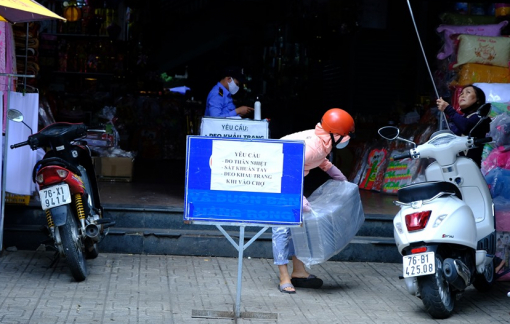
point(232, 86)
point(342, 141)
point(341, 145)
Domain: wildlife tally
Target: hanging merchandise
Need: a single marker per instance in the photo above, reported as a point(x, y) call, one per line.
point(373, 174)
point(399, 173)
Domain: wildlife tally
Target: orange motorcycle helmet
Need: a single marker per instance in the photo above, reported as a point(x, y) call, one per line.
point(337, 121)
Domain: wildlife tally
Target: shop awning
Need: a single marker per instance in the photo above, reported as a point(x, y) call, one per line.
point(18, 11)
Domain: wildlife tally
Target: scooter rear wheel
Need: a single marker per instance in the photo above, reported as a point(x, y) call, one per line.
point(435, 292)
point(72, 248)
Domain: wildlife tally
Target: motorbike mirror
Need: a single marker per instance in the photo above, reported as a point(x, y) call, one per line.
point(15, 115)
point(389, 132)
point(484, 110)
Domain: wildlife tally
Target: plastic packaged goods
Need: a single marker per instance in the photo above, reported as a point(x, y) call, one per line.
point(470, 73)
point(336, 217)
point(483, 50)
point(495, 92)
point(447, 31)
point(502, 9)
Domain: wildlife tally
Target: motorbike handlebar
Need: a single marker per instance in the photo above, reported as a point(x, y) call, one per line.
point(402, 156)
point(13, 146)
point(484, 140)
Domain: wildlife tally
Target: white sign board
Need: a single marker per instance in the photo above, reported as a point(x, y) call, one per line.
point(236, 166)
point(234, 128)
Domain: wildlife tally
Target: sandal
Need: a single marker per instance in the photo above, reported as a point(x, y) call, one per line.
point(310, 282)
point(282, 288)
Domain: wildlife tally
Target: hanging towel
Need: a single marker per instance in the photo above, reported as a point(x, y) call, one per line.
point(21, 161)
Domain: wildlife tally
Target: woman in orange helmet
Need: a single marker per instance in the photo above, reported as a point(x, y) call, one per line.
point(334, 130)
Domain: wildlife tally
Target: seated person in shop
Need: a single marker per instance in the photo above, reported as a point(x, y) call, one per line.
point(219, 101)
point(470, 99)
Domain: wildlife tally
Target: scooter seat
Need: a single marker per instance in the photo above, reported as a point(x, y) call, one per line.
point(426, 190)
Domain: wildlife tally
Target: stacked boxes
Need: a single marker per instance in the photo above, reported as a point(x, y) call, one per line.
point(114, 168)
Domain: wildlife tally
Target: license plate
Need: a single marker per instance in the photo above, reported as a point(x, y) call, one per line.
point(420, 264)
point(55, 196)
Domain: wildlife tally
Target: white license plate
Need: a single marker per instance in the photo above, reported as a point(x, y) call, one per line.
point(420, 264)
point(55, 196)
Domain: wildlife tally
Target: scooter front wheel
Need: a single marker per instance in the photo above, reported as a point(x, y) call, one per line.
point(72, 248)
point(435, 292)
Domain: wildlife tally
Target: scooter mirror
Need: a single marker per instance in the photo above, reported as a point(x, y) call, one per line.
point(389, 132)
point(15, 115)
point(484, 110)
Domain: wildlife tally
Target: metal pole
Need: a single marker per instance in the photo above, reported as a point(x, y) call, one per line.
point(239, 272)
point(422, 50)
point(426, 62)
point(4, 164)
point(26, 59)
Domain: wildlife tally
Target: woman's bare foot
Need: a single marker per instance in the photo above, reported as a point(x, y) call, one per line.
point(285, 279)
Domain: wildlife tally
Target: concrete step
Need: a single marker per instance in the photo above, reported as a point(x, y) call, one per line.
point(161, 230)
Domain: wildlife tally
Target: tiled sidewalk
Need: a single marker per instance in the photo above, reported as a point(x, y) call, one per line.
point(155, 289)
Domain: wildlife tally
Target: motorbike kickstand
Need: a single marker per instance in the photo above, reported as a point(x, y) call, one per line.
point(56, 258)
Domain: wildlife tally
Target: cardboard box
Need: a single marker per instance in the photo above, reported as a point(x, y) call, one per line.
point(17, 199)
point(114, 168)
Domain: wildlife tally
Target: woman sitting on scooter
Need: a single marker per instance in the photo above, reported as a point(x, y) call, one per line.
point(470, 99)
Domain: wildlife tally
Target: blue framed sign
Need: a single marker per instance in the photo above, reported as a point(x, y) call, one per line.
point(255, 182)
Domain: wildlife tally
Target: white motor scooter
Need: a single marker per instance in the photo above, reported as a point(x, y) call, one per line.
point(445, 229)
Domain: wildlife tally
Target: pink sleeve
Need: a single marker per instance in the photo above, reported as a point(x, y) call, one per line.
point(325, 165)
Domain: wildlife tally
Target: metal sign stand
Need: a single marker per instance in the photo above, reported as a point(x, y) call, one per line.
point(237, 307)
point(250, 183)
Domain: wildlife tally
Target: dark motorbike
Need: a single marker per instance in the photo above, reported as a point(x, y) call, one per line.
point(68, 192)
